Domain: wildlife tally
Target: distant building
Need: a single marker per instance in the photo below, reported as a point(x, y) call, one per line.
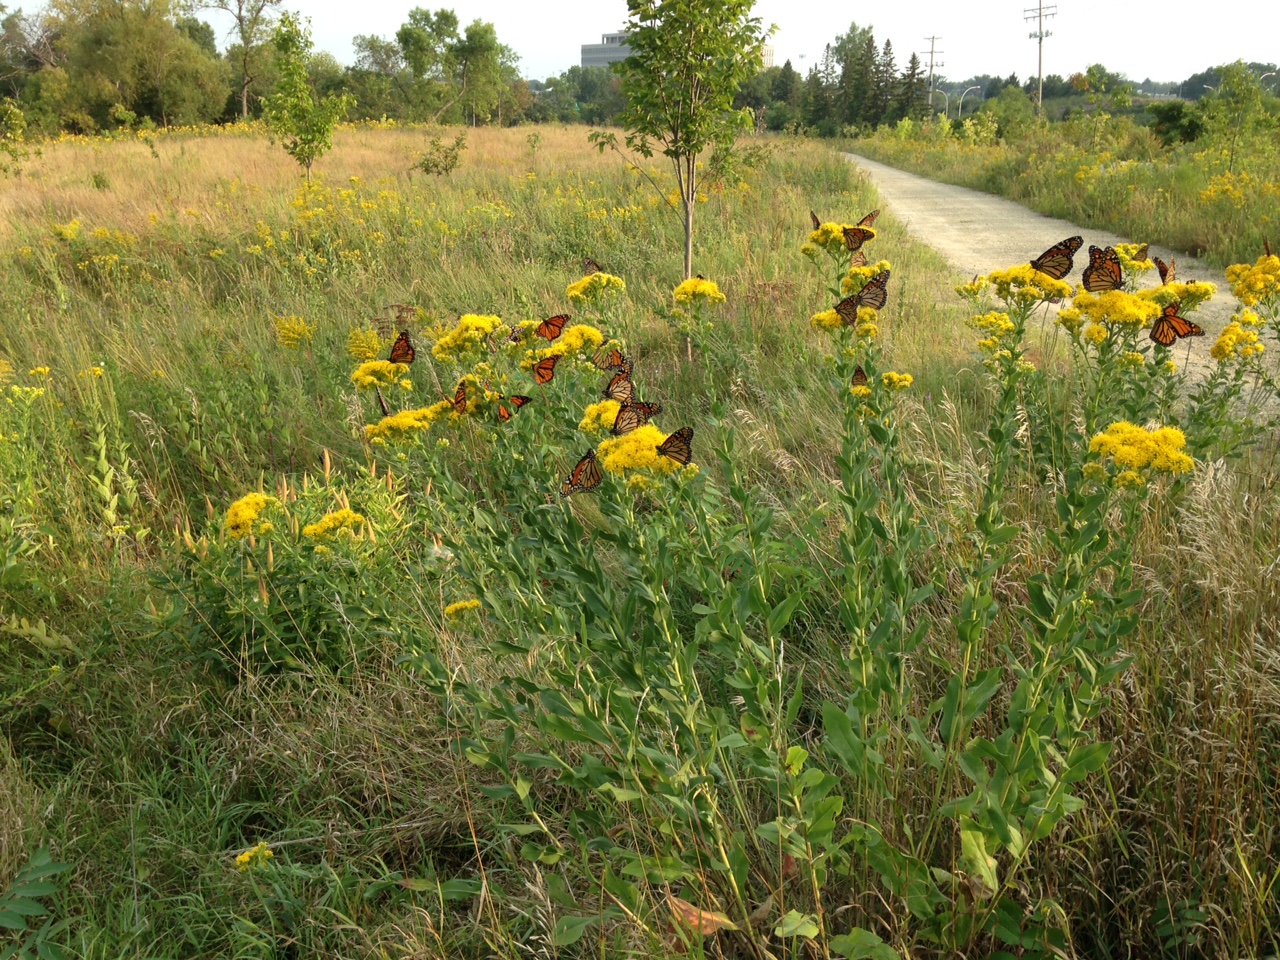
point(613, 48)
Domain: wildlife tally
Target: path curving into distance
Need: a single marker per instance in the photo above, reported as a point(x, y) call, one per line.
point(978, 232)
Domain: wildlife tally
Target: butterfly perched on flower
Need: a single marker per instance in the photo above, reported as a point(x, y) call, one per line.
point(678, 446)
point(544, 370)
point(551, 328)
point(1168, 271)
point(1170, 327)
point(620, 388)
point(1103, 272)
point(1142, 252)
point(813, 217)
point(402, 350)
point(382, 401)
point(633, 416)
point(1056, 262)
point(612, 360)
point(1266, 246)
point(859, 259)
point(859, 377)
point(874, 295)
point(584, 477)
point(518, 401)
point(855, 237)
point(869, 219)
point(591, 266)
point(460, 397)
point(516, 336)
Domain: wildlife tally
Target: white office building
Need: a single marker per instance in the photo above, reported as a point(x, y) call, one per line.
point(613, 48)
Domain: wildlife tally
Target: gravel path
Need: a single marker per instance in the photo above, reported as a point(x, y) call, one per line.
point(977, 232)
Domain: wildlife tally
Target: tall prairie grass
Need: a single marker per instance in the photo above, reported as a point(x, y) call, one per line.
point(195, 694)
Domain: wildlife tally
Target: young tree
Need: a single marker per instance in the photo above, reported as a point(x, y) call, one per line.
point(688, 59)
point(253, 26)
point(911, 91)
point(295, 113)
point(886, 75)
point(857, 83)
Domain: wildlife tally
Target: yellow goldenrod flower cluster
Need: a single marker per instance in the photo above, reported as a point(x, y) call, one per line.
point(470, 331)
point(406, 423)
point(637, 450)
point(595, 286)
point(364, 343)
point(41, 372)
point(1134, 448)
point(832, 234)
point(454, 610)
point(865, 327)
point(243, 515)
point(827, 320)
point(1096, 334)
point(293, 332)
point(1259, 283)
point(67, 231)
point(1133, 267)
point(1113, 308)
point(698, 290)
point(859, 277)
point(1130, 360)
point(995, 328)
point(599, 416)
point(255, 856)
point(974, 289)
point(333, 524)
point(95, 371)
point(373, 373)
point(1189, 295)
point(6, 371)
point(1022, 284)
point(897, 381)
point(1236, 342)
point(580, 338)
point(862, 391)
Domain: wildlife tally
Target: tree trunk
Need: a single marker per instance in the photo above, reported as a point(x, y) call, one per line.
point(244, 99)
point(690, 199)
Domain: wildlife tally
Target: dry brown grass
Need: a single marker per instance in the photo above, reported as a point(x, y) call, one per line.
point(19, 810)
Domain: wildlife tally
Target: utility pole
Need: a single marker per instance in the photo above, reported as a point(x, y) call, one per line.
point(1039, 13)
point(934, 53)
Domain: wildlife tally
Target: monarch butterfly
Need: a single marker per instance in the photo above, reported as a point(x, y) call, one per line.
point(632, 416)
point(875, 294)
point(859, 377)
point(855, 237)
point(620, 388)
point(859, 259)
point(1056, 262)
point(591, 266)
point(1142, 252)
point(869, 219)
point(402, 350)
point(382, 401)
point(613, 360)
point(817, 224)
point(504, 413)
point(1103, 272)
point(1170, 327)
point(550, 328)
point(544, 370)
point(583, 478)
point(460, 397)
point(1168, 271)
point(678, 446)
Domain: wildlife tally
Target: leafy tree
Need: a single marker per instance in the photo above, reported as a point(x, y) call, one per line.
point(788, 86)
point(295, 113)
point(253, 26)
point(857, 83)
point(910, 101)
point(688, 60)
point(1235, 111)
point(456, 70)
point(13, 128)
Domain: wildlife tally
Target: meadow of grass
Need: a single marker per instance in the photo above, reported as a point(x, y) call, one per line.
point(847, 685)
point(1212, 198)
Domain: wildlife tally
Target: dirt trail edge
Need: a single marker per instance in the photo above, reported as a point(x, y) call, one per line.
point(977, 233)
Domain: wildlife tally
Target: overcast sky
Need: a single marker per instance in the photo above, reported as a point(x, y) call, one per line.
point(1165, 41)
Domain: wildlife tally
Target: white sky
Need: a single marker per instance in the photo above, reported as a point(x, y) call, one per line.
point(1165, 41)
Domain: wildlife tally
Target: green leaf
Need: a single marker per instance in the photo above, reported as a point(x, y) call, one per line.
point(859, 944)
point(973, 847)
point(570, 930)
point(796, 925)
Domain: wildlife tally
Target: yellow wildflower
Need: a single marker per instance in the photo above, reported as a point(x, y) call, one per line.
point(698, 289)
point(974, 289)
point(1117, 307)
point(470, 331)
point(363, 343)
point(6, 371)
point(1247, 318)
point(580, 338)
point(594, 286)
point(827, 320)
point(405, 424)
point(95, 371)
point(244, 513)
point(332, 524)
point(293, 332)
point(1236, 341)
point(1189, 295)
point(42, 372)
point(255, 856)
point(1070, 319)
point(1130, 360)
point(1131, 267)
point(1170, 367)
point(637, 450)
point(862, 391)
point(897, 381)
point(67, 231)
point(1130, 478)
point(1096, 334)
point(1025, 285)
point(599, 416)
point(1095, 472)
point(859, 277)
point(996, 325)
point(374, 373)
point(1135, 448)
point(832, 234)
point(865, 329)
point(455, 610)
point(1257, 283)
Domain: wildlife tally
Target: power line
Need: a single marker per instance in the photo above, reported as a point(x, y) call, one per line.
point(934, 53)
point(1040, 13)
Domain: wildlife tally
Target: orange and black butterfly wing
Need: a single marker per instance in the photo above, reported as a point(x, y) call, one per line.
point(876, 293)
point(516, 336)
point(551, 328)
point(584, 477)
point(1103, 272)
point(648, 409)
point(869, 219)
point(1162, 331)
point(1143, 252)
point(1168, 271)
point(859, 377)
point(1057, 261)
point(628, 419)
point(460, 397)
point(848, 310)
point(590, 266)
point(544, 370)
point(620, 388)
point(855, 237)
point(678, 446)
point(402, 350)
point(1170, 327)
point(817, 224)
point(859, 259)
point(613, 360)
point(504, 414)
point(519, 401)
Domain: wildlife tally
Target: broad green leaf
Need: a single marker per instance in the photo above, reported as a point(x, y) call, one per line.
point(570, 930)
point(796, 925)
point(859, 944)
